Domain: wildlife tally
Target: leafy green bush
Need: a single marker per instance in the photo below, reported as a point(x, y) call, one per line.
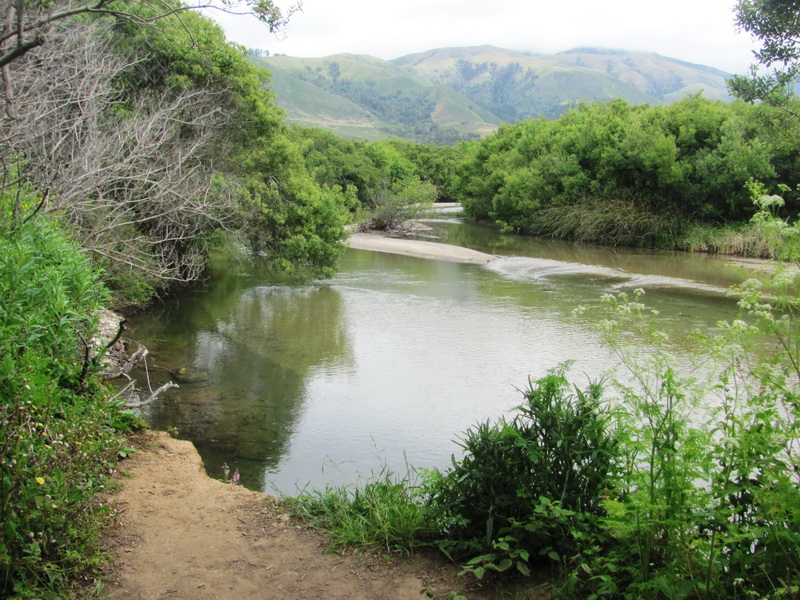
point(708, 504)
point(401, 202)
point(620, 174)
point(57, 434)
point(525, 481)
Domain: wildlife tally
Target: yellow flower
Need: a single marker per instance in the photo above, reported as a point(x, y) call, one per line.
point(40, 480)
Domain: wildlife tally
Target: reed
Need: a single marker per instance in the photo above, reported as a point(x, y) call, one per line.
point(620, 222)
point(733, 239)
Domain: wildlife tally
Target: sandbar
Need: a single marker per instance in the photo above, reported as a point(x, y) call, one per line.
point(419, 248)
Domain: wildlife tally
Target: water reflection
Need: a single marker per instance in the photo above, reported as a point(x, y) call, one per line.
point(243, 356)
point(395, 356)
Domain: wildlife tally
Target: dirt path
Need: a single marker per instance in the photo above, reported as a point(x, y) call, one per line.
point(184, 535)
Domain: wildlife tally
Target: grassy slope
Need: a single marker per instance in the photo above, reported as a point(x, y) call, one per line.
point(302, 87)
point(543, 85)
point(312, 106)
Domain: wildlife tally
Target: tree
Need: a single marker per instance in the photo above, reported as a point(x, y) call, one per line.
point(27, 25)
point(132, 176)
point(152, 142)
point(776, 25)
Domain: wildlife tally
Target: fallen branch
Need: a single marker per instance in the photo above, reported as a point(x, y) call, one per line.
point(121, 329)
point(125, 367)
point(127, 388)
point(153, 396)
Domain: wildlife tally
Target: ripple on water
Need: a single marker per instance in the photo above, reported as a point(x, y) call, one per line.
point(527, 269)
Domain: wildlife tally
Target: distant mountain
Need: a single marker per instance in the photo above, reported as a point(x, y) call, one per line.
point(363, 97)
point(448, 94)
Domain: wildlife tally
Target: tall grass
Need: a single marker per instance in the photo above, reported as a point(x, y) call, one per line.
point(609, 222)
point(626, 223)
point(739, 239)
point(387, 513)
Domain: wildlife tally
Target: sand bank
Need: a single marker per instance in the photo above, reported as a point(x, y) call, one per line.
point(421, 249)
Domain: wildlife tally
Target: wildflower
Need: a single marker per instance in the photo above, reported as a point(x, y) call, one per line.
point(40, 480)
point(235, 478)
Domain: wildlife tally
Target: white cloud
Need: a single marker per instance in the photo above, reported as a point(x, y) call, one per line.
point(700, 31)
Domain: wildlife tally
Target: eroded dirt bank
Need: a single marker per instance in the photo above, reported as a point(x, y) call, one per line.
point(184, 535)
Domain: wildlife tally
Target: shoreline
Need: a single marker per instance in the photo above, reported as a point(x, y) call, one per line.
point(379, 242)
point(182, 534)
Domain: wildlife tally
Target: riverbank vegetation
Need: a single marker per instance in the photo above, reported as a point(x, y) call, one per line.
point(671, 177)
point(135, 142)
point(634, 175)
point(59, 437)
point(667, 483)
point(156, 141)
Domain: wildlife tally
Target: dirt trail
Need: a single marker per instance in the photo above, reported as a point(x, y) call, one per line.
point(184, 535)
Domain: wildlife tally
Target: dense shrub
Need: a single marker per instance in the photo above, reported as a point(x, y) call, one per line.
point(686, 162)
point(525, 483)
point(58, 437)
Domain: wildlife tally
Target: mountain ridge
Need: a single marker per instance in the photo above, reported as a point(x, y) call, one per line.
point(453, 93)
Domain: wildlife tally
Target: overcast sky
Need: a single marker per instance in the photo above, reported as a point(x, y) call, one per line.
point(699, 31)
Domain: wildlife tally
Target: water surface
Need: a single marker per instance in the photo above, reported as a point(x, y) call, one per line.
point(393, 358)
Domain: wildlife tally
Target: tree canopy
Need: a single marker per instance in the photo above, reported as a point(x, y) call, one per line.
point(640, 172)
point(776, 25)
point(154, 139)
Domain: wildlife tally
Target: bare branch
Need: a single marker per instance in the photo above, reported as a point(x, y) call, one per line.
point(126, 366)
point(136, 184)
point(167, 386)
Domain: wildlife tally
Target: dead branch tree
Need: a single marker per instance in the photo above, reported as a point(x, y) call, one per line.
point(136, 180)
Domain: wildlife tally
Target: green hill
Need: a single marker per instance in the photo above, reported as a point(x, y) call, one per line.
point(362, 97)
point(449, 94)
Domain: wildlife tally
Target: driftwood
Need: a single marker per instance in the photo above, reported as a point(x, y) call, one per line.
point(124, 365)
point(123, 368)
point(153, 396)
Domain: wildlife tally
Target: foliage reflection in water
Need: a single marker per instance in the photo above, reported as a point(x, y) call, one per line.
point(387, 363)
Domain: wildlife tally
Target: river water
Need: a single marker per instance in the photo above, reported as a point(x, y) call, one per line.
point(299, 386)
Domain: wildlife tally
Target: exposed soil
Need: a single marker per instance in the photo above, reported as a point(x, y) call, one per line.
point(181, 534)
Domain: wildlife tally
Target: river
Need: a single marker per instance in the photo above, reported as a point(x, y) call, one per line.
point(299, 386)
